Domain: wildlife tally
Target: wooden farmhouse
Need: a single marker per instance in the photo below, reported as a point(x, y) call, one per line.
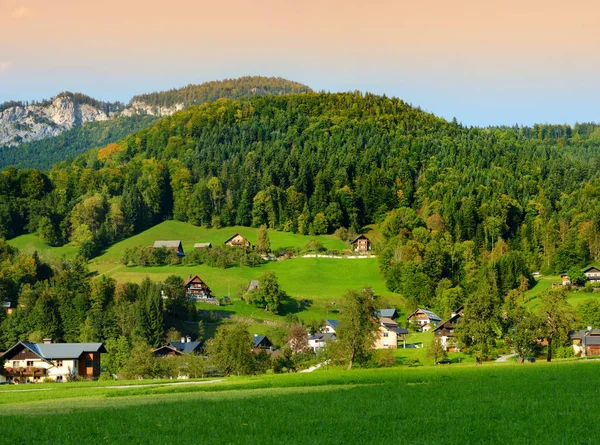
point(262, 342)
point(425, 318)
point(196, 289)
point(175, 348)
point(32, 362)
point(389, 335)
point(445, 331)
point(592, 274)
point(361, 244)
point(586, 342)
point(238, 240)
point(171, 245)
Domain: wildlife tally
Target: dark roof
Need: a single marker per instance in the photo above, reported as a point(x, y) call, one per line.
point(187, 347)
point(6, 304)
point(388, 313)
point(359, 237)
point(399, 331)
point(261, 340)
point(322, 336)
point(60, 350)
point(589, 268)
point(190, 279)
point(454, 318)
point(431, 315)
point(333, 323)
point(581, 333)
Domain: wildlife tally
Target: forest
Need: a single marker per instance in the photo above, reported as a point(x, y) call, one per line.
point(450, 201)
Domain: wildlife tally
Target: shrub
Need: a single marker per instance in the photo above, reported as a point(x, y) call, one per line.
point(564, 352)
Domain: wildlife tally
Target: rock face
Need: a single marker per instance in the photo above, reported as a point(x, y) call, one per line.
point(20, 124)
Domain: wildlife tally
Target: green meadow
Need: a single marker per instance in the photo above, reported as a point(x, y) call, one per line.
point(511, 404)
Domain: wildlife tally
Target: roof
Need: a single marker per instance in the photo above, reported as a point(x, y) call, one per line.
point(454, 318)
point(261, 340)
point(202, 245)
point(322, 336)
point(589, 268)
point(333, 323)
point(237, 234)
point(186, 347)
point(581, 333)
point(399, 331)
point(6, 304)
point(190, 279)
point(253, 285)
point(388, 322)
point(60, 350)
point(173, 244)
point(359, 237)
point(431, 315)
point(388, 313)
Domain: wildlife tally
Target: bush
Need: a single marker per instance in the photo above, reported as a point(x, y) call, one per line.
point(105, 376)
point(413, 362)
point(564, 352)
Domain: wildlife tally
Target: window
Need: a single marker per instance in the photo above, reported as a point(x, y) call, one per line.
point(59, 363)
point(386, 334)
point(29, 363)
point(16, 364)
point(88, 363)
point(59, 378)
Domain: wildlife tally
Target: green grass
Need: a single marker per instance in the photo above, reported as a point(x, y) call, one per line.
point(575, 296)
point(190, 234)
point(31, 242)
point(510, 404)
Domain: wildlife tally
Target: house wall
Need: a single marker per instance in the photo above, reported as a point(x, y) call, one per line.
point(51, 370)
point(386, 342)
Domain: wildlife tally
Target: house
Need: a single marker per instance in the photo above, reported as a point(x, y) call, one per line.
point(565, 279)
point(171, 245)
point(361, 244)
point(320, 339)
point(592, 274)
point(445, 331)
point(389, 334)
point(7, 306)
point(32, 362)
point(388, 313)
point(330, 326)
point(586, 341)
point(252, 286)
point(203, 246)
point(175, 348)
point(425, 318)
point(238, 240)
point(262, 342)
point(196, 289)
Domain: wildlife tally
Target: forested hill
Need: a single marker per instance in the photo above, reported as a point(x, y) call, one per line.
point(39, 134)
point(312, 163)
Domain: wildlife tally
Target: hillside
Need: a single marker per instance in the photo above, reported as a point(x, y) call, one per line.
point(40, 134)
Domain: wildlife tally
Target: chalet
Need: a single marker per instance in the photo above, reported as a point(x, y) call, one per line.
point(175, 348)
point(171, 245)
point(592, 274)
point(320, 340)
point(389, 334)
point(330, 326)
point(388, 313)
point(361, 244)
point(566, 281)
point(238, 240)
point(445, 331)
point(203, 246)
point(586, 342)
point(262, 342)
point(32, 362)
point(425, 318)
point(7, 306)
point(196, 289)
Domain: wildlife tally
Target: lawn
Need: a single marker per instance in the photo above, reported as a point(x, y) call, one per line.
point(574, 296)
point(510, 404)
point(31, 242)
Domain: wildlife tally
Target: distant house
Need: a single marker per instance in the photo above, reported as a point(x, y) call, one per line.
point(361, 244)
point(171, 245)
point(252, 286)
point(330, 326)
point(592, 274)
point(196, 289)
point(262, 342)
point(586, 342)
point(424, 317)
point(388, 313)
point(445, 331)
point(320, 339)
point(389, 335)
point(7, 306)
point(32, 362)
point(238, 240)
point(566, 281)
point(175, 348)
point(203, 246)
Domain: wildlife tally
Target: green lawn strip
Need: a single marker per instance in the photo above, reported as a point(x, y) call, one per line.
point(539, 403)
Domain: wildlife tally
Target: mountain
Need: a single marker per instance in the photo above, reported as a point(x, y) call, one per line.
point(42, 133)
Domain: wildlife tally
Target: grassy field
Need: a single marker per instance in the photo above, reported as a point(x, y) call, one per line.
point(511, 404)
point(574, 297)
point(31, 242)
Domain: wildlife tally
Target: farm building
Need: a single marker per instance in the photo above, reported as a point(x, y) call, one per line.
point(592, 274)
point(445, 331)
point(361, 244)
point(389, 334)
point(196, 289)
point(7, 306)
point(424, 317)
point(238, 240)
point(32, 362)
point(171, 245)
point(586, 341)
point(262, 342)
point(203, 246)
point(174, 348)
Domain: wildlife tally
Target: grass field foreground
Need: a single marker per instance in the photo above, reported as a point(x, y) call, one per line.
point(534, 403)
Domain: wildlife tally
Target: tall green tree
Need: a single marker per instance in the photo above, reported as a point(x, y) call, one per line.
point(558, 316)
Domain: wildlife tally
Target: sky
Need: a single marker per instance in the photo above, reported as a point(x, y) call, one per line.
point(485, 62)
